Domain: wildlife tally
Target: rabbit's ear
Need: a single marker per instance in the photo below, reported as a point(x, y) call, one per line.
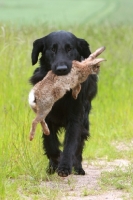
point(97, 61)
point(97, 52)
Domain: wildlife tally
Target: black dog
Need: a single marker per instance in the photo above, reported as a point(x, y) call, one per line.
point(58, 50)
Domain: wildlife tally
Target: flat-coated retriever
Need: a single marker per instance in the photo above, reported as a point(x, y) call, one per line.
point(58, 50)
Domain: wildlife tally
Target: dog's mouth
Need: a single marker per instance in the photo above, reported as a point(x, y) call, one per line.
point(62, 69)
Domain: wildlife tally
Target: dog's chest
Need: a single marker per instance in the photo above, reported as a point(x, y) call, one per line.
point(67, 82)
point(60, 110)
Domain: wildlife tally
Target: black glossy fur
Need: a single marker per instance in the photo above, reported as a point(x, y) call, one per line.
point(59, 49)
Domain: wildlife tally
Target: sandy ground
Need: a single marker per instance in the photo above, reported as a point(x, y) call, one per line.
point(82, 187)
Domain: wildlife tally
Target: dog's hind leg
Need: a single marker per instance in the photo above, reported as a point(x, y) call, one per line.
point(51, 147)
point(77, 164)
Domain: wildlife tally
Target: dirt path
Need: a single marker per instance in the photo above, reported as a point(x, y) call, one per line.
point(87, 187)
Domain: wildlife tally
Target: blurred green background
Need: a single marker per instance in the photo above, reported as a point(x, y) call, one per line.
point(68, 12)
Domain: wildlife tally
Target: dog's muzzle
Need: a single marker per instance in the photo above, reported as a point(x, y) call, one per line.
point(61, 70)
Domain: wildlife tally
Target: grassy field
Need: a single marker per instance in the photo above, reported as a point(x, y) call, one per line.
point(66, 12)
point(22, 163)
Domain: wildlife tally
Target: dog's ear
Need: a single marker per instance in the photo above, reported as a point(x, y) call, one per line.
point(38, 46)
point(83, 48)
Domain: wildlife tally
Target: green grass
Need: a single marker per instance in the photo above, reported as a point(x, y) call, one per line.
point(22, 163)
point(67, 12)
point(120, 179)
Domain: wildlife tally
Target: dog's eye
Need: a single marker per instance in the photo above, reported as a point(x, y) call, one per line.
point(53, 49)
point(68, 49)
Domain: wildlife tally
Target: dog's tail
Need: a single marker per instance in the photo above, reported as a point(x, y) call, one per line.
point(32, 100)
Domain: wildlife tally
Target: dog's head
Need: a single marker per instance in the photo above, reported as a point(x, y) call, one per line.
point(58, 50)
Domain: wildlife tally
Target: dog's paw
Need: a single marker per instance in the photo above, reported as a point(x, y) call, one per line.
point(52, 168)
point(63, 172)
point(79, 171)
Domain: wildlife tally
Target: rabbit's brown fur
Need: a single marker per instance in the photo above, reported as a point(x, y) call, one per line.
point(46, 92)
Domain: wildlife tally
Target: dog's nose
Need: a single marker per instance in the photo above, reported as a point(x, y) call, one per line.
point(61, 70)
